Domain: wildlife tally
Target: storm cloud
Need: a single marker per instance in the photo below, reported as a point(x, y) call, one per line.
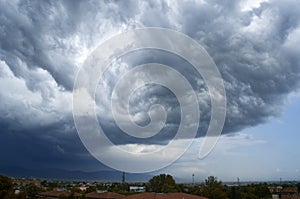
point(44, 43)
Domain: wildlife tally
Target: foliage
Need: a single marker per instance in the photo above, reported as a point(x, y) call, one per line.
point(195, 190)
point(6, 187)
point(31, 190)
point(162, 184)
point(255, 191)
point(213, 188)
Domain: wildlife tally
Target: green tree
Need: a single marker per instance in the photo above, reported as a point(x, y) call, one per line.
point(91, 189)
point(213, 188)
point(248, 195)
point(255, 191)
point(262, 190)
point(6, 188)
point(31, 190)
point(124, 187)
point(162, 184)
point(195, 190)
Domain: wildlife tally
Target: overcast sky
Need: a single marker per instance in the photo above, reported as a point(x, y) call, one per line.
point(255, 45)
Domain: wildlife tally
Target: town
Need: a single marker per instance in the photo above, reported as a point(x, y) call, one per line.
point(160, 186)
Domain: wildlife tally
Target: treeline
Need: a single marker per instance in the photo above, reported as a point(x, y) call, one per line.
point(216, 190)
point(7, 189)
point(212, 188)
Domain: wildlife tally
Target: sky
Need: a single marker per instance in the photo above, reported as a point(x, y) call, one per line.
point(266, 152)
point(254, 44)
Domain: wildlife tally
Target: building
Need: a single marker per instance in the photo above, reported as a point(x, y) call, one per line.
point(83, 188)
point(289, 193)
point(103, 195)
point(137, 188)
point(163, 196)
point(56, 193)
point(284, 193)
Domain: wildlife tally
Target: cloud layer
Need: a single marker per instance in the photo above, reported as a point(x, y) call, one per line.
point(43, 44)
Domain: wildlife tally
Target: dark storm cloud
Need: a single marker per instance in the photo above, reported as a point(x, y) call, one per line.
point(250, 49)
point(43, 34)
point(40, 48)
point(43, 43)
point(143, 98)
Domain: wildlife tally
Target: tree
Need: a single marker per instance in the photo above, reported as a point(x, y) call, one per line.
point(213, 188)
point(255, 191)
point(248, 196)
point(262, 191)
point(162, 184)
point(6, 187)
point(195, 190)
point(31, 190)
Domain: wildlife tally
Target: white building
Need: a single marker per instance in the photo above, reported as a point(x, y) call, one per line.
point(137, 188)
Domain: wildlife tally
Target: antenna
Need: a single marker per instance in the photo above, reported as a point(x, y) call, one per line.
point(193, 179)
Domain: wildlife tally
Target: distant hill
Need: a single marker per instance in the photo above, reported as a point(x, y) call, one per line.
point(60, 174)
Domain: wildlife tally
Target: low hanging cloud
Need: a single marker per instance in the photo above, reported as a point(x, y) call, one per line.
point(43, 44)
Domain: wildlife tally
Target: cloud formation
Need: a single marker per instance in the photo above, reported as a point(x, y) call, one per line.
point(43, 44)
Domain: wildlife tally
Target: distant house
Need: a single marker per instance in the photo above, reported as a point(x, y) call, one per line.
point(103, 195)
point(276, 189)
point(289, 193)
point(285, 193)
point(164, 196)
point(56, 193)
point(137, 188)
point(83, 187)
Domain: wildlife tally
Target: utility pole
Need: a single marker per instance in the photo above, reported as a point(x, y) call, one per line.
point(238, 189)
point(193, 179)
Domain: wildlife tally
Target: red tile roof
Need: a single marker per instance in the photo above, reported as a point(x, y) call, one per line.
point(290, 189)
point(142, 196)
point(55, 193)
point(164, 196)
point(290, 193)
point(104, 195)
point(291, 196)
